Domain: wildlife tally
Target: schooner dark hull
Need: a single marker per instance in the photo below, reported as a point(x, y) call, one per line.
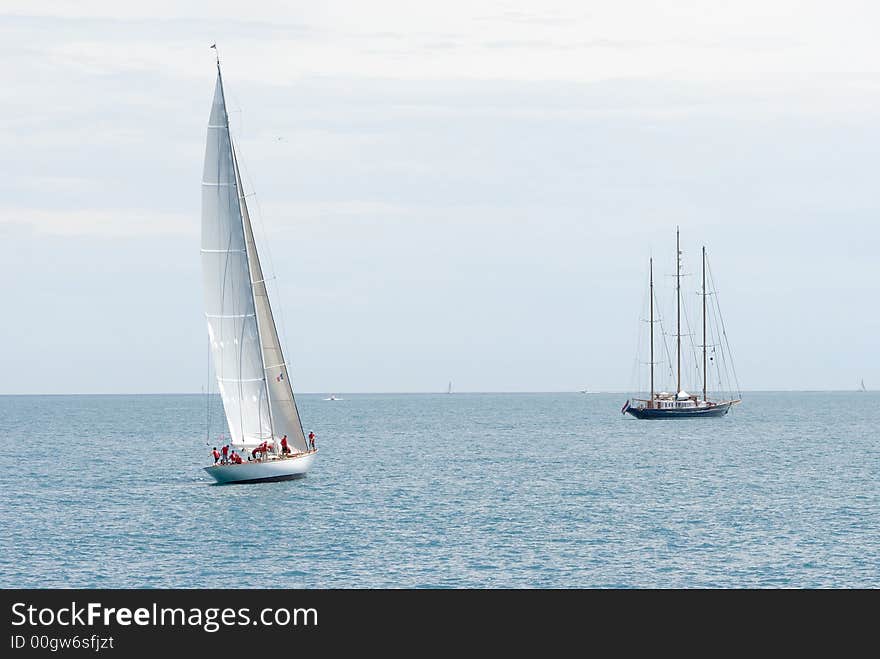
point(682, 413)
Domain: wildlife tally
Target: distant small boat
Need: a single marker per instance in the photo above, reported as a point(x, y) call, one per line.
point(333, 397)
point(666, 405)
point(449, 388)
point(862, 385)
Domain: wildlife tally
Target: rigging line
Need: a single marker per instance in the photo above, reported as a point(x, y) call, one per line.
point(725, 354)
point(292, 398)
point(247, 230)
point(671, 374)
point(713, 335)
point(693, 349)
point(246, 177)
point(718, 361)
point(724, 331)
point(634, 368)
point(711, 365)
point(207, 413)
point(208, 399)
point(723, 371)
point(266, 243)
point(635, 373)
point(723, 387)
point(671, 381)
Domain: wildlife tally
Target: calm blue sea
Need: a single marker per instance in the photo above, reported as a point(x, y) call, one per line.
point(461, 490)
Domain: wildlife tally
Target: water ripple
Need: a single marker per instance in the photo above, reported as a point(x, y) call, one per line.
point(525, 491)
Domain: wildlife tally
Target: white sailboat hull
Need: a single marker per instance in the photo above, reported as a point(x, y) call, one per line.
point(277, 469)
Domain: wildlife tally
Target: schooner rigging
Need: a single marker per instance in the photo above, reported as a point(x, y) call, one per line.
point(681, 404)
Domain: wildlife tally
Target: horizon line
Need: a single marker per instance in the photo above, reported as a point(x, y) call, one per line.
point(412, 393)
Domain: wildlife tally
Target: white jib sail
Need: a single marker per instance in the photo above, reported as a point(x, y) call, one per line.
point(285, 416)
point(229, 299)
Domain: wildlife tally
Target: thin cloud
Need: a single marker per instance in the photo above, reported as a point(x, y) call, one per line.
point(98, 222)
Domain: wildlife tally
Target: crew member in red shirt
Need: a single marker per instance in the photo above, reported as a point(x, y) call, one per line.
point(312, 440)
point(262, 449)
point(225, 454)
point(285, 449)
point(216, 454)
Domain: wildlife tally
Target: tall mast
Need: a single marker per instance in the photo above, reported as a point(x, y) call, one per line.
point(678, 310)
point(651, 322)
point(704, 323)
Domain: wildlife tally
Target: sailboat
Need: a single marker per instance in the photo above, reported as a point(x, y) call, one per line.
point(862, 385)
point(449, 388)
point(252, 376)
point(665, 405)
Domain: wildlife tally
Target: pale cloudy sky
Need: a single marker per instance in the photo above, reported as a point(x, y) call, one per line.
point(457, 190)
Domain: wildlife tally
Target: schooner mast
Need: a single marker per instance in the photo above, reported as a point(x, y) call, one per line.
point(704, 323)
point(678, 311)
point(651, 321)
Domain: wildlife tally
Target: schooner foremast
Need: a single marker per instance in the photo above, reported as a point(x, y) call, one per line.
point(705, 399)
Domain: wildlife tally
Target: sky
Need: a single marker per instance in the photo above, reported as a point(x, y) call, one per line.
point(456, 191)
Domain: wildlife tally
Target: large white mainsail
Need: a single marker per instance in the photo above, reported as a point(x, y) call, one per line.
point(251, 375)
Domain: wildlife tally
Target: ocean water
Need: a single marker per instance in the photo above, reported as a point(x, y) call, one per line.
point(461, 490)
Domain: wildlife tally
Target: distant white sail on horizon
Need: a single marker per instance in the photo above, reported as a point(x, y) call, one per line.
point(252, 376)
